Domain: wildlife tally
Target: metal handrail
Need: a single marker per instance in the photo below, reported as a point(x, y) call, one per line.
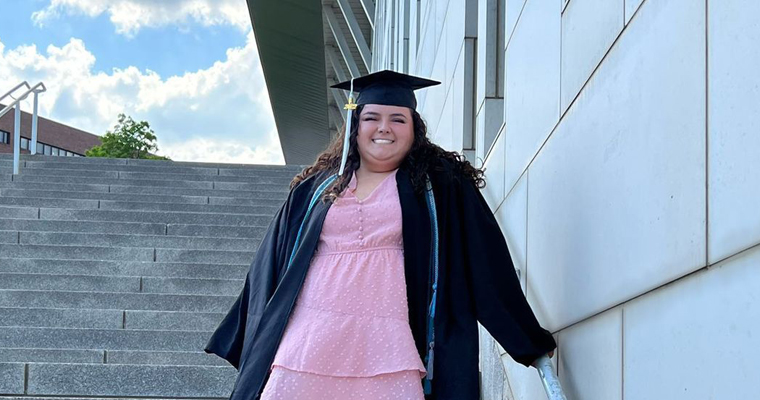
point(24, 83)
point(36, 90)
point(549, 378)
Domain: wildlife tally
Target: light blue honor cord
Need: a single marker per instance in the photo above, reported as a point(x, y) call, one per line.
point(427, 384)
point(321, 188)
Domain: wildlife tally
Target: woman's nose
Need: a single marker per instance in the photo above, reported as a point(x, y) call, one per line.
point(383, 126)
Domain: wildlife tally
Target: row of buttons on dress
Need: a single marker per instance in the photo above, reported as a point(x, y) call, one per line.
point(361, 222)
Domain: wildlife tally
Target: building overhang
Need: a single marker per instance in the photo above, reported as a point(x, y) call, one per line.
point(291, 49)
point(304, 47)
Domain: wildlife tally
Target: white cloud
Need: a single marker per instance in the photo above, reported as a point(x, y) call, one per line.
point(209, 150)
point(129, 16)
point(223, 109)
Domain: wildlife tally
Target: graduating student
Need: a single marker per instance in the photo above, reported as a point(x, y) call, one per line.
point(372, 275)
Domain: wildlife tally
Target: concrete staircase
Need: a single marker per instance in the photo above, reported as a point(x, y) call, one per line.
point(114, 272)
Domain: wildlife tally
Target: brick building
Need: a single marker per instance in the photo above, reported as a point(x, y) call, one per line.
point(53, 138)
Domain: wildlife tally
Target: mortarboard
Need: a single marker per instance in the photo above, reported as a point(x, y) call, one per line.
point(385, 87)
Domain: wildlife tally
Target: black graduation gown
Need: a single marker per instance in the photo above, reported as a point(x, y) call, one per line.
point(477, 281)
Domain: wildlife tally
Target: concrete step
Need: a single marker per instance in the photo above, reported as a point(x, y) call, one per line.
point(254, 172)
point(76, 252)
point(295, 169)
point(83, 318)
point(95, 173)
point(251, 186)
point(255, 233)
point(14, 211)
point(109, 339)
point(269, 185)
point(166, 168)
point(43, 157)
point(207, 208)
point(79, 283)
point(37, 225)
point(112, 301)
point(279, 194)
point(54, 194)
point(136, 228)
point(115, 380)
point(240, 201)
point(74, 187)
point(120, 284)
point(80, 252)
point(166, 217)
point(277, 179)
point(12, 378)
point(132, 240)
point(121, 167)
point(24, 355)
point(123, 268)
point(93, 356)
point(36, 203)
point(132, 357)
point(8, 163)
point(219, 287)
point(132, 161)
point(28, 178)
point(233, 189)
point(172, 320)
point(61, 318)
point(219, 257)
point(137, 179)
point(9, 237)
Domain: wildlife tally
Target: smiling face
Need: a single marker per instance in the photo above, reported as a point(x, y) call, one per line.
point(385, 136)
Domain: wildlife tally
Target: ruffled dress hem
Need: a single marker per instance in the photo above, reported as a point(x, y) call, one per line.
point(342, 344)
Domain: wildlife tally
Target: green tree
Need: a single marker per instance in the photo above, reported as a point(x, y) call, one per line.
point(128, 139)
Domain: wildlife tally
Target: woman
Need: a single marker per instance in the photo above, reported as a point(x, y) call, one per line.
point(388, 249)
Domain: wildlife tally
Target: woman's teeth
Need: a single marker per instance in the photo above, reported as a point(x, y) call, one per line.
point(382, 141)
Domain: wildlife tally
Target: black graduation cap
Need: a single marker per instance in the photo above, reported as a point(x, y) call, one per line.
point(386, 87)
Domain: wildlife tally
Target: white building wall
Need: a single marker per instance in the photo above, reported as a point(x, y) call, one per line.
point(623, 163)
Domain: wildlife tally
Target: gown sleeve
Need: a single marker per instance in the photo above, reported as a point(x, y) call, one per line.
point(228, 339)
point(500, 304)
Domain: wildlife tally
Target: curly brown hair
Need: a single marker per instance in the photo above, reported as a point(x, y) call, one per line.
point(421, 158)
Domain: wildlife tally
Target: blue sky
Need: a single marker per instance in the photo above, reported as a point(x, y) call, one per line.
point(167, 50)
point(189, 67)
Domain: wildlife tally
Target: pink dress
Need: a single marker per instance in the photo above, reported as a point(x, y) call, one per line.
point(348, 336)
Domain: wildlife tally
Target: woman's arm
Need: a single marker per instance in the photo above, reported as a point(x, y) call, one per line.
point(500, 304)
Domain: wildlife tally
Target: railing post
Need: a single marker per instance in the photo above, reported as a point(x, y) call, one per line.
point(16, 137)
point(33, 145)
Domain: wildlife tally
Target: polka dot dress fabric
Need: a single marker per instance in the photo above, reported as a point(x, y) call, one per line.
point(348, 336)
point(295, 385)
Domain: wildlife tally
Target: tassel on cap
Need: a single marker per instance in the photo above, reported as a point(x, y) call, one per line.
point(350, 107)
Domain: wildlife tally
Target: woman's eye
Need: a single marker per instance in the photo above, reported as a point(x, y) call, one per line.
point(399, 120)
point(369, 119)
